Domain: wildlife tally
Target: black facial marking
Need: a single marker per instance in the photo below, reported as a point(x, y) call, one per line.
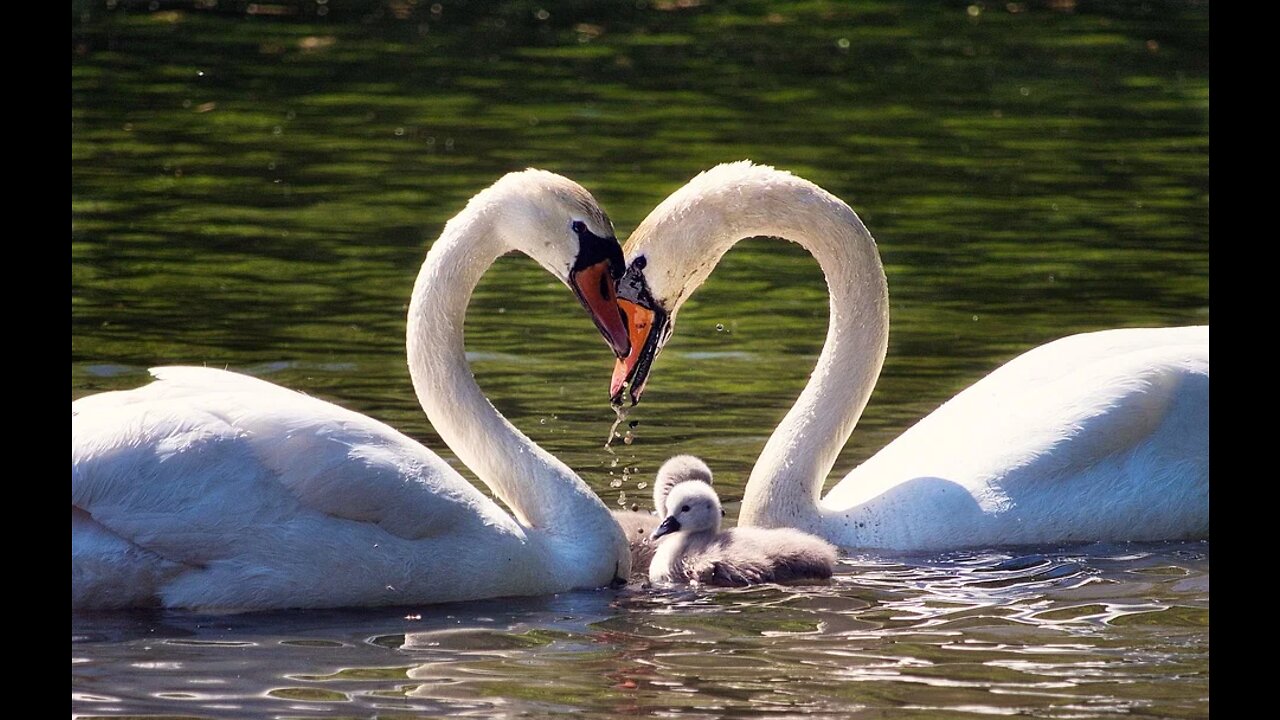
point(633, 286)
point(593, 249)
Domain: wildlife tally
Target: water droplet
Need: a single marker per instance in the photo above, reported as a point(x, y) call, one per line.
point(974, 10)
point(719, 327)
point(542, 421)
point(399, 131)
point(277, 130)
point(615, 483)
point(1025, 91)
point(542, 14)
point(975, 318)
point(628, 438)
point(843, 43)
point(642, 485)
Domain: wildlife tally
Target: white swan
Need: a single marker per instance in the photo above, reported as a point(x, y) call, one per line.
point(209, 489)
point(1100, 436)
point(696, 551)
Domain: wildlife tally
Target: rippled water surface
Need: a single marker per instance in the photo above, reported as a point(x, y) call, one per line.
point(1095, 631)
point(255, 184)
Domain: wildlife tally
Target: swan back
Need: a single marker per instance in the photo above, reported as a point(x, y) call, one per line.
point(212, 489)
point(1097, 436)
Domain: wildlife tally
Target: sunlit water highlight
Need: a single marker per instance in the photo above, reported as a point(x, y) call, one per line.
point(1062, 633)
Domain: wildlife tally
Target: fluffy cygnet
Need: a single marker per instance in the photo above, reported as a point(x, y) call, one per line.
point(698, 552)
point(639, 525)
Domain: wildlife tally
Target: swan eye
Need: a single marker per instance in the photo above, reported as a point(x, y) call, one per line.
point(684, 508)
point(578, 226)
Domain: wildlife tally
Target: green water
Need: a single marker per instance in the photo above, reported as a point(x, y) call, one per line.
point(256, 191)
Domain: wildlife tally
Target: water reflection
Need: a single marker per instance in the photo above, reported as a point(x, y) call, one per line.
point(1056, 633)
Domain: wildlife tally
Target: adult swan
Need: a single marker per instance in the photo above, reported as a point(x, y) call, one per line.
point(1101, 436)
point(209, 489)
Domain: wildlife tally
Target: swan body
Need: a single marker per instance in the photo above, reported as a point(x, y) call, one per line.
point(695, 550)
point(210, 489)
point(1094, 437)
point(638, 526)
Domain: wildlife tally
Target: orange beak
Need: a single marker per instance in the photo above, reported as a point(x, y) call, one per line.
point(597, 291)
point(640, 325)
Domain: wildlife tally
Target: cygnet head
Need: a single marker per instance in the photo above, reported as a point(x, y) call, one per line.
point(678, 469)
point(693, 507)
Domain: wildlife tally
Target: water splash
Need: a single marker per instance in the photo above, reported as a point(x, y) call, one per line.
point(621, 412)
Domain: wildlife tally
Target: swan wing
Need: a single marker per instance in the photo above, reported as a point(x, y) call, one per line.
point(1071, 433)
point(202, 462)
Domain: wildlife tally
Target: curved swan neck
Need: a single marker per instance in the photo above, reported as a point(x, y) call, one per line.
point(739, 200)
point(540, 490)
point(786, 483)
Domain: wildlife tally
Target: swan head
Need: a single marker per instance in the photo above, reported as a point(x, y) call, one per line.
point(558, 223)
point(693, 507)
point(676, 247)
point(676, 470)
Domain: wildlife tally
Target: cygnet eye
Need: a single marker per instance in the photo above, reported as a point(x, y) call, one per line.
point(684, 508)
point(578, 226)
